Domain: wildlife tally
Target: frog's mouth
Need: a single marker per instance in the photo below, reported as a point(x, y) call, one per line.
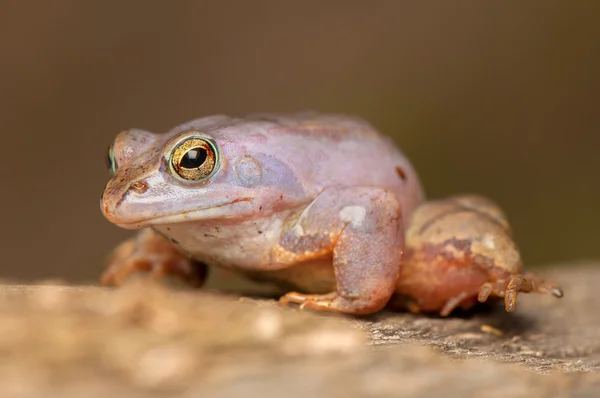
point(219, 210)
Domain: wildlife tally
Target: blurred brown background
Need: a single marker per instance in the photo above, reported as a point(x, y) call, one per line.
point(492, 97)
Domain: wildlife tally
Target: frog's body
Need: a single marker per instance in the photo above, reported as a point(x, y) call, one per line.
point(292, 161)
point(317, 202)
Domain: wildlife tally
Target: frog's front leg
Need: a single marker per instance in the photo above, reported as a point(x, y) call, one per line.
point(362, 229)
point(151, 253)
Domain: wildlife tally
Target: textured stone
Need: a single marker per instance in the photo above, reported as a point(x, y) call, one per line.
point(146, 340)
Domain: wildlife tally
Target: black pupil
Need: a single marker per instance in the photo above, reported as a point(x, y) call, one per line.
point(194, 158)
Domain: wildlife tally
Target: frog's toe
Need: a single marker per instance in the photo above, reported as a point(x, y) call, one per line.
point(485, 291)
point(515, 285)
point(549, 288)
point(510, 288)
point(332, 302)
point(528, 283)
point(307, 300)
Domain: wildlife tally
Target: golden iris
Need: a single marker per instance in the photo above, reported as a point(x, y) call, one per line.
point(194, 159)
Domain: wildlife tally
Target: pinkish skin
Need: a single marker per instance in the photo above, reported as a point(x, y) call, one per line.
point(315, 202)
point(321, 204)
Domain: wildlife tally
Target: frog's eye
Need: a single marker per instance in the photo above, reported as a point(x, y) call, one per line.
point(194, 159)
point(111, 161)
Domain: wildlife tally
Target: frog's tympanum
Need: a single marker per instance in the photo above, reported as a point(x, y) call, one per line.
point(322, 205)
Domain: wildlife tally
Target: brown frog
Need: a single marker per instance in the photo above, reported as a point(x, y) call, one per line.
point(321, 204)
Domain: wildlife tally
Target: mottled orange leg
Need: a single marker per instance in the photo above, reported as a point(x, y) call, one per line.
point(510, 287)
point(151, 253)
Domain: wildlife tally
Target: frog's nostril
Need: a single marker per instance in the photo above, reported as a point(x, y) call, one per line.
point(139, 186)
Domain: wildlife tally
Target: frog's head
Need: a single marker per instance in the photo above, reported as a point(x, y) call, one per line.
point(211, 168)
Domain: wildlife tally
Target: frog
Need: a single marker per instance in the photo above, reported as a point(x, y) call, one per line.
point(318, 204)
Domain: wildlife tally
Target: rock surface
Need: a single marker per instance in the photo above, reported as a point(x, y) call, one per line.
point(149, 341)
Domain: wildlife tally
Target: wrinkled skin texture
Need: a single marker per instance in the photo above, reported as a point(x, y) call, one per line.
point(318, 204)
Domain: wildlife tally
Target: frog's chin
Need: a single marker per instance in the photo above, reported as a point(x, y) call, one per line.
point(222, 210)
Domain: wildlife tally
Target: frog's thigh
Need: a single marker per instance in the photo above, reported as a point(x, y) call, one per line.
point(363, 228)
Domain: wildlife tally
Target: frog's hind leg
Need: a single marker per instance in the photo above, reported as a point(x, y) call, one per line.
point(362, 227)
point(511, 285)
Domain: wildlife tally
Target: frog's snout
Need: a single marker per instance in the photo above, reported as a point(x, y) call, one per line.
point(115, 195)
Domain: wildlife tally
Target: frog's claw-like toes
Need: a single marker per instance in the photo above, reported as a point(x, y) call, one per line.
point(549, 288)
point(314, 301)
point(332, 302)
point(484, 292)
point(528, 283)
point(521, 283)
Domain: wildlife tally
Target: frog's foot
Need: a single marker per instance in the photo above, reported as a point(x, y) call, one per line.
point(511, 286)
point(152, 255)
point(323, 302)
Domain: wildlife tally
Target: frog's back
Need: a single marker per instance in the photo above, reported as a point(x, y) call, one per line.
point(323, 150)
point(333, 150)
